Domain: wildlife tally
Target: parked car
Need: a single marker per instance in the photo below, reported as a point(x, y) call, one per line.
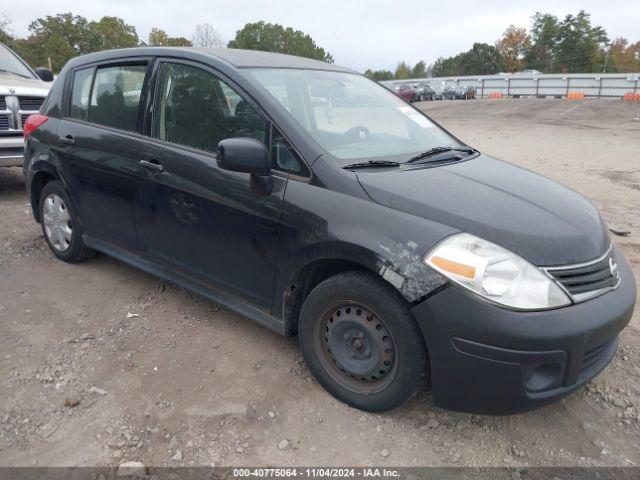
point(439, 89)
point(449, 90)
point(529, 71)
point(320, 204)
point(424, 91)
point(406, 91)
point(464, 92)
point(22, 91)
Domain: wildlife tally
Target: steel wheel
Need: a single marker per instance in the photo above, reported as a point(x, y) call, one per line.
point(57, 222)
point(356, 347)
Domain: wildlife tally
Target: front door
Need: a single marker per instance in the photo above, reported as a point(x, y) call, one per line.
point(205, 222)
point(97, 146)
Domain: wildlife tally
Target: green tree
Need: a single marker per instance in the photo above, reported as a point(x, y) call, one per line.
point(447, 67)
point(544, 36)
point(160, 38)
point(482, 59)
point(403, 70)
point(58, 38)
point(382, 75)
point(111, 32)
point(272, 37)
point(379, 75)
point(419, 70)
point(61, 37)
point(578, 44)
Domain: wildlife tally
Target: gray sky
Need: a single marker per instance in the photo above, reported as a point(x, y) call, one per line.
point(358, 33)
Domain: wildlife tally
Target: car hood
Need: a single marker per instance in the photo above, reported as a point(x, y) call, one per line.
point(533, 216)
point(22, 86)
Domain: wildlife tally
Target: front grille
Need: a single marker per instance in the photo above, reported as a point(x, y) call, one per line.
point(24, 117)
point(3, 103)
point(4, 122)
point(587, 280)
point(594, 358)
point(31, 104)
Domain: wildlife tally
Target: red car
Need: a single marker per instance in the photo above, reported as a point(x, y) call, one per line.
point(406, 91)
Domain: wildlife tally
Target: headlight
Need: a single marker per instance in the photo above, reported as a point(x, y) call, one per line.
point(495, 273)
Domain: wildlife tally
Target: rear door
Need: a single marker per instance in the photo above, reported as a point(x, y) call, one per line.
point(97, 144)
point(194, 217)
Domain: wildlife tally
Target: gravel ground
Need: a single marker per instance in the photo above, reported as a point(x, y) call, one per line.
point(101, 363)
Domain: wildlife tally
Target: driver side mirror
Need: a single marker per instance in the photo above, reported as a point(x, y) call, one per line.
point(247, 155)
point(45, 74)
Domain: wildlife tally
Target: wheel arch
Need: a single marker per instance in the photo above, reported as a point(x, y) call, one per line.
point(39, 179)
point(325, 261)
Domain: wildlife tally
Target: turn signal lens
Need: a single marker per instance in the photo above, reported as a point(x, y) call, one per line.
point(454, 268)
point(33, 122)
point(495, 273)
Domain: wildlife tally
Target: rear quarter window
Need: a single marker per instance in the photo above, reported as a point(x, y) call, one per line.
point(80, 90)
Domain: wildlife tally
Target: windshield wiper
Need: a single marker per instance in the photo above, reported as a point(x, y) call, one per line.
point(373, 164)
point(436, 150)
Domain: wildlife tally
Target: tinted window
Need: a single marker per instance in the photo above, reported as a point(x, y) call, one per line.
point(80, 93)
point(116, 95)
point(195, 108)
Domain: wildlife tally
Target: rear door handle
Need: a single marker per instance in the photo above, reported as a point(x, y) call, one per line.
point(67, 140)
point(152, 166)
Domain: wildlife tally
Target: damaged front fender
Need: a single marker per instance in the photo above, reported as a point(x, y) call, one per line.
point(404, 268)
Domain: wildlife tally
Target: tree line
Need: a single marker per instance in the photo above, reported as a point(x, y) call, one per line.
point(551, 45)
point(53, 40)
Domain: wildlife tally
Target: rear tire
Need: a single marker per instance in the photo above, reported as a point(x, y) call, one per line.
point(361, 341)
point(61, 225)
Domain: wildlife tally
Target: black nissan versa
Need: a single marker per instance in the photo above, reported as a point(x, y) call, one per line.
point(314, 201)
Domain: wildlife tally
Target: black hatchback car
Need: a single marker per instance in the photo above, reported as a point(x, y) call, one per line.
point(312, 200)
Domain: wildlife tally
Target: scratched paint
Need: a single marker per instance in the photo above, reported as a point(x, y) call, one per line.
point(404, 268)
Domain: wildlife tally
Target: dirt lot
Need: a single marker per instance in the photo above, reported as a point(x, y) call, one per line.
point(165, 377)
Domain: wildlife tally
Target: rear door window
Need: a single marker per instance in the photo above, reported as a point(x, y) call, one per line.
point(115, 97)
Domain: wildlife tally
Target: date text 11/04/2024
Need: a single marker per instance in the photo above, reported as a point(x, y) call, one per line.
point(370, 472)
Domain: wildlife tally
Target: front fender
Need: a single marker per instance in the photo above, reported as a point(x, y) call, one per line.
point(318, 224)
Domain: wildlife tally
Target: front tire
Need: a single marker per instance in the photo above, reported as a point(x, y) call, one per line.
point(61, 225)
point(361, 341)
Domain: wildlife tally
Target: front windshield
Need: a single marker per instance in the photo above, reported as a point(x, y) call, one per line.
point(351, 116)
point(10, 63)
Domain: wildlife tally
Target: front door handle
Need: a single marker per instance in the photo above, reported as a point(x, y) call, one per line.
point(152, 166)
point(67, 140)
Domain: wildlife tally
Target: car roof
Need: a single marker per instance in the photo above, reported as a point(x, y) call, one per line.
point(232, 57)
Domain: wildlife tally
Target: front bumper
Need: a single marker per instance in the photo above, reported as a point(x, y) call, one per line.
point(490, 360)
point(11, 150)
